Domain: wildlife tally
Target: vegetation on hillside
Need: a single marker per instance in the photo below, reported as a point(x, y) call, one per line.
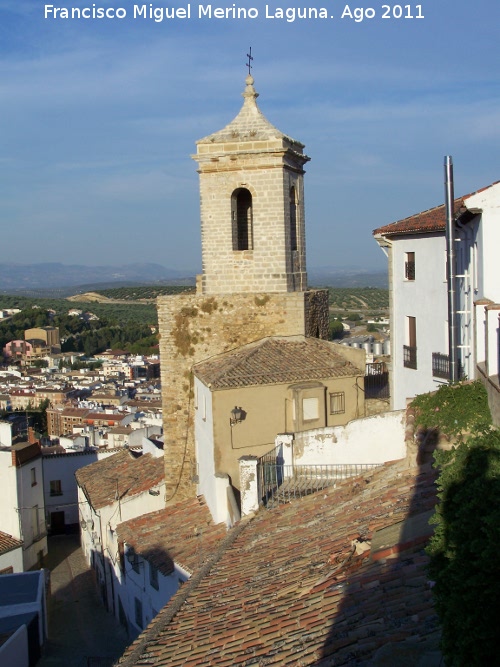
point(464, 563)
point(119, 326)
point(144, 292)
point(369, 298)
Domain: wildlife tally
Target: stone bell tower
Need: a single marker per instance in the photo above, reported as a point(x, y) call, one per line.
point(252, 205)
point(254, 281)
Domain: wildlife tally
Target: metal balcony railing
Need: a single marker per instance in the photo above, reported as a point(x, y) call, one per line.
point(441, 365)
point(280, 484)
point(410, 356)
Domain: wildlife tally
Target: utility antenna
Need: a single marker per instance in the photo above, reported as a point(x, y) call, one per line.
point(250, 58)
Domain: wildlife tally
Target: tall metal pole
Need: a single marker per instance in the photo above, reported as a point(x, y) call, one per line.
point(451, 268)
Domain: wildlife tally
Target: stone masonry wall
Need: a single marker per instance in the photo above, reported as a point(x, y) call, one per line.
point(269, 265)
point(196, 327)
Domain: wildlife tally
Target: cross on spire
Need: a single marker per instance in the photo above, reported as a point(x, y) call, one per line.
point(250, 58)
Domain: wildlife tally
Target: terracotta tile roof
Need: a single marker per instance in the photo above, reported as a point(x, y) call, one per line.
point(73, 412)
point(432, 220)
point(123, 473)
point(183, 533)
point(299, 585)
point(275, 360)
point(105, 416)
point(8, 543)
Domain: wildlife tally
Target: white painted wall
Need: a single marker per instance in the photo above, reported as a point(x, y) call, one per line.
point(375, 439)
point(424, 298)
point(488, 201)
point(14, 653)
point(130, 585)
point(98, 539)
point(31, 506)
point(13, 559)
point(62, 467)
point(22, 507)
point(9, 518)
point(5, 434)
point(204, 447)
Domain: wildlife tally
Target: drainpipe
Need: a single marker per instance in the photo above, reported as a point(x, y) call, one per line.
point(451, 268)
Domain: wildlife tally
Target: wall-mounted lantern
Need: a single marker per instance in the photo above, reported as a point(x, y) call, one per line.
point(237, 415)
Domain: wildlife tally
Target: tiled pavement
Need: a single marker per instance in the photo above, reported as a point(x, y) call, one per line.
point(81, 632)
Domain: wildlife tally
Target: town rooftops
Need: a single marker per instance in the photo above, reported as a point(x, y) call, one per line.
point(118, 476)
point(331, 579)
point(432, 220)
point(275, 360)
point(183, 533)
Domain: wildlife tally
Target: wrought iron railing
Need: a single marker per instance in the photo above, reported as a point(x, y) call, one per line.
point(280, 484)
point(441, 365)
point(377, 381)
point(409, 356)
point(410, 270)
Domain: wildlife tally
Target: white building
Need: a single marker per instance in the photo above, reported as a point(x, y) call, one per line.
point(11, 554)
point(120, 487)
point(159, 552)
point(60, 489)
point(416, 249)
point(22, 509)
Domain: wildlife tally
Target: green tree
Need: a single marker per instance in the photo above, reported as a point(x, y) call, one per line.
point(464, 561)
point(336, 329)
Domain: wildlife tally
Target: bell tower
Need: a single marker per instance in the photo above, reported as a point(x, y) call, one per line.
point(252, 206)
point(254, 281)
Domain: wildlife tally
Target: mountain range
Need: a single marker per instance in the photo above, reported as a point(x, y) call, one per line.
point(74, 278)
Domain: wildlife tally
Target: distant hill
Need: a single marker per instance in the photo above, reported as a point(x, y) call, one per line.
point(67, 279)
point(330, 276)
point(63, 280)
point(57, 275)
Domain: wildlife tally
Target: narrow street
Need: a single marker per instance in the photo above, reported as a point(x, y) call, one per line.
point(81, 632)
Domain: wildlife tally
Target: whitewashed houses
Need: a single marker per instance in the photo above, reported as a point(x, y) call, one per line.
point(110, 491)
point(158, 553)
point(22, 509)
point(416, 250)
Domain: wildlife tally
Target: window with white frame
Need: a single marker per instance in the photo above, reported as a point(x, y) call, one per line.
point(33, 476)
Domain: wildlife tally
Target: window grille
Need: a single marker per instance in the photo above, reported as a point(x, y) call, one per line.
point(337, 403)
point(410, 356)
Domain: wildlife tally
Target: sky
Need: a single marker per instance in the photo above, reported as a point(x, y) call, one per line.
point(99, 119)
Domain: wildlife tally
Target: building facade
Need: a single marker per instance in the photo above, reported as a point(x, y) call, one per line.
point(416, 250)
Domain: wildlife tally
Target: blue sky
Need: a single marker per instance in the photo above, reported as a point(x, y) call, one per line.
point(99, 119)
